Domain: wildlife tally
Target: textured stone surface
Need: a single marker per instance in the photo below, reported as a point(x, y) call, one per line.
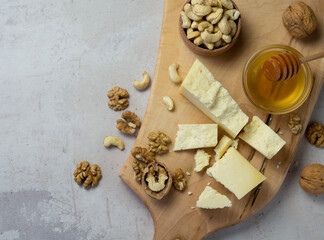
point(58, 60)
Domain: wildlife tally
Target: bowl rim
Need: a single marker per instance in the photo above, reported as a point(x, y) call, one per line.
point(307, 89)
point(206, 50)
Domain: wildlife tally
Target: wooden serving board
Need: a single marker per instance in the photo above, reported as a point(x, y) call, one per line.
point(261, 25)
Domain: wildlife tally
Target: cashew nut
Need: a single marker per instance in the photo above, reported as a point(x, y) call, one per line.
point(233, 27)
point(211, 37)
point(227, 4)
point(214, 17)
point(194, 24)
point(224, 25)
point(233, 14)
point(194, 2)
point(210, 46)
point(212, 3)
point(115, 141)
point(190, 14)
point(189, 30)
point(201, 10)
point(186, 22)
point(141, 85)
point(198, 40)
point(192, 34)
point(217, 44)
point(168, 102)
point(173, 73)
point(205, 25)
point(226, 38)
point(216, 29)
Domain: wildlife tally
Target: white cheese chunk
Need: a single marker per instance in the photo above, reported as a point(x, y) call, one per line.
point(211, 199)
point(201, 88)
point(192, 136)
point(235, 143)
point(222, 146)
point(202, 160)
point(262, 138)
point(236, 173)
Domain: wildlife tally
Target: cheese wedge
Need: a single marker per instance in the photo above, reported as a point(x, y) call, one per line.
point(236, 173)
point(202, 160)
point(222, 146)
point(192, 136)
point(201, 88)
point(211, 199)
point(262, 138)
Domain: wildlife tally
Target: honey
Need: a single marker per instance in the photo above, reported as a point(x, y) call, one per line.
point(275, 96)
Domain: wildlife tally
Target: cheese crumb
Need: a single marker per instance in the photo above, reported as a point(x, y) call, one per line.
point(202, 160)
point(189, 193)
point(188, 173)
point(193, 208)
point(208, 184)
point(235, 143)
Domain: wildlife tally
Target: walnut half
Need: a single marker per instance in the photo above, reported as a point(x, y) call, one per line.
point(315, 134)
point(295, 123)
point(87, 175)
point(130, 123)
point(138, 168)
point(118, 98)
point(156, 180)
point(142, 154)
point(179, 180)
point(158, 142)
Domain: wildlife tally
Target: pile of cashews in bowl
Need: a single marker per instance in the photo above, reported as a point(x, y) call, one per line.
point(210, 23)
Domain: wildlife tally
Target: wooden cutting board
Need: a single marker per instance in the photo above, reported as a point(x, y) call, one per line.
point(261, 25)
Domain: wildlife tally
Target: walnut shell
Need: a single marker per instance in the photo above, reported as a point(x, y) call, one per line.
point(157, 195)
point(311, 179)
point(299, 19)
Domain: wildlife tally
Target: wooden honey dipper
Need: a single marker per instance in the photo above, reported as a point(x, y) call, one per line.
point(285, 65)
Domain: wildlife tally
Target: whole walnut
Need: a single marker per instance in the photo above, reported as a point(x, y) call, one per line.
point(299, 19)
point(312, 179)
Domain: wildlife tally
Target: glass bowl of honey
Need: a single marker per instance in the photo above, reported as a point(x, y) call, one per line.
point(276, 97)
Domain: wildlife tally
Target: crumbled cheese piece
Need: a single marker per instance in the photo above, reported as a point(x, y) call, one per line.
point(189, 193)
point(202, 160)
point(192, 136)
point(206, 93)
point(262, 138)
point(188, 173)
point(222, 146)
point(211, 199)
point(236, 173)
point(235, 143)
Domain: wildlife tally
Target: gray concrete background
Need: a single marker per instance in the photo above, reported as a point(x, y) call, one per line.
point(57, 61)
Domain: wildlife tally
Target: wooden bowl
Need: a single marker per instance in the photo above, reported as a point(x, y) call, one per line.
point(200, 50)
